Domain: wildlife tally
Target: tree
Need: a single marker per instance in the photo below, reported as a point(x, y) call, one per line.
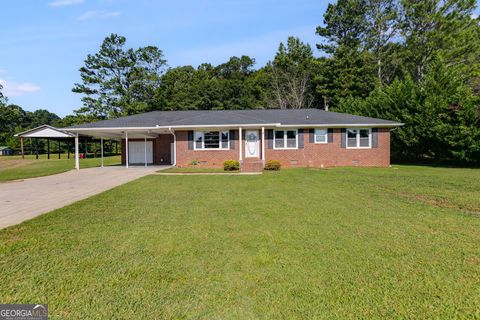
point(441, 115)
point(381, 18)
point(3, 100)
point(434, 28)
point(179, 89)
point(292, 72)
point(118, 81)
point(230, 85)
point(40, 117)
point(12, 120)
point(344, 25)
point(348, 71)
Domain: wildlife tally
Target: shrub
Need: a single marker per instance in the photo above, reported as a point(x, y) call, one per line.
point(194, 162)
point(231, 165)
point(273, 165)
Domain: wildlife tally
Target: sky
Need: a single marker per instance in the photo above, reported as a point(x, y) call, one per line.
point(43, 43)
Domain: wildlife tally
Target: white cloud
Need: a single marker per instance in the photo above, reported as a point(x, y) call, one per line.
point(87, 15)
point(63, 3)
point(12, 89)
point(474, 16)
point(111, 14)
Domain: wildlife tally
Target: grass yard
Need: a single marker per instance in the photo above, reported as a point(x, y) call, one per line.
point(14, 167)
point(401, 242)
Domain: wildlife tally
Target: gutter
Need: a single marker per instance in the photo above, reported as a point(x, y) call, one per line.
point(174, 146)
point(274, 125)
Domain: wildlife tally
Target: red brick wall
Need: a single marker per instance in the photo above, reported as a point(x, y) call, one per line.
point(313, 155)
point(332, 154)
point(161, 149)
point(205, 158)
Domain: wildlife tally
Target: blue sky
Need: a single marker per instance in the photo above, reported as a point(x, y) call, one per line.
point(43, 42)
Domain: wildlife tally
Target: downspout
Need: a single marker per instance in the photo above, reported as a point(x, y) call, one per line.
point(174, 146)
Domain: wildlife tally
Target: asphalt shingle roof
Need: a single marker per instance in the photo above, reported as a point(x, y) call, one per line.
point(236, 117)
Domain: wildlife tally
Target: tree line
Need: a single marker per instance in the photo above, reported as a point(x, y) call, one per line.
point(411, 61)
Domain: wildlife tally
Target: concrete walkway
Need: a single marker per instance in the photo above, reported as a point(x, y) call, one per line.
point(24, 199)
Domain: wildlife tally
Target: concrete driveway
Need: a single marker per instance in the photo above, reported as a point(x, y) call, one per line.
point(24, 199)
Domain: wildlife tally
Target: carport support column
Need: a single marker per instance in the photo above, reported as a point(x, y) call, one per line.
point(240, 145)
point(145, 151)
point(77, 156)
point(263, 143)
point(101, 149)
point(126, 150)
point(21, 147)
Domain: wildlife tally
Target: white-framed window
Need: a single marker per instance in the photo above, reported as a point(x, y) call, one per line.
point(285, 139)
point(321, 136)
point(211, 140)
point(359, 138)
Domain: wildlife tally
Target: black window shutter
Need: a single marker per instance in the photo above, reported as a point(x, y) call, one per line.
point(190, 140)
point(300, 138)
point(270, 138)
point(375, 138)
point(343, 140)
point(311, 135)
point(330, 135)
point(232, 139)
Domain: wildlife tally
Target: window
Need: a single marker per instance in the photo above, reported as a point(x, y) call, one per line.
point(358, 138)
point(285, 139)
point(205, 140)
point(321, 136)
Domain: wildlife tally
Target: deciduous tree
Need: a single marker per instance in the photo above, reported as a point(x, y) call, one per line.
point(117, 81)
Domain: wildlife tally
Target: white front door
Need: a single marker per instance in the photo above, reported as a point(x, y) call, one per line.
point(136, 152)
point(252, 144)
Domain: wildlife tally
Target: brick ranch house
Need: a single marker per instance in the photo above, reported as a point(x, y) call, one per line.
point(295, 137)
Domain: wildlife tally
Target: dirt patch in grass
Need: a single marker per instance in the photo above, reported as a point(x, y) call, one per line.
point(12, 235)
point(473, 261)
point(13, 163)
point(435, 202)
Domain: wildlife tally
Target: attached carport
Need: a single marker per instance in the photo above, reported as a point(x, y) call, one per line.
point(138, 143)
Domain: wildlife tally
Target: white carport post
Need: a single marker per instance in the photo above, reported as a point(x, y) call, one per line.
point(145, 151)
point(240, 146)
point(126, 150)
point(101, 148)
point(77, 156)
point(263, 143)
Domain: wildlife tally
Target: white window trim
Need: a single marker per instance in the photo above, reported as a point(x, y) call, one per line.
point(315, 136)
point(203, 140)
point(358, 138)
point(285, 140)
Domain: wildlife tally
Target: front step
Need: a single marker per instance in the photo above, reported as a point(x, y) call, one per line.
point(251, 165)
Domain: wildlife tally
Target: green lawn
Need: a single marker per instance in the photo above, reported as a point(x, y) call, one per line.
point(14, 167)
point(401, 242)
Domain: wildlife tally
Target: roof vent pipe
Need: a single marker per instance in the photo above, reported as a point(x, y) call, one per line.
point(325, 103)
